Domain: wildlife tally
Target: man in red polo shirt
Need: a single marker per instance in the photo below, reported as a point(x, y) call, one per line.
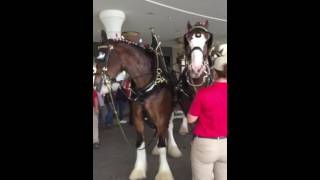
point(209, 111)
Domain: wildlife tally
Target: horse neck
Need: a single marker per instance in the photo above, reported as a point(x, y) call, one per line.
point(137, 64)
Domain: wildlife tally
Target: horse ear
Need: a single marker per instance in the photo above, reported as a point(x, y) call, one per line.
point(206, 23)
point(104, 36)
point(189, 26)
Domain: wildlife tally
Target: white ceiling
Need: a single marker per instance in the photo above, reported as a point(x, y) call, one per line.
point(168, 23)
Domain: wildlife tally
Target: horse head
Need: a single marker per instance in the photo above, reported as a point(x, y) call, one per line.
point(197, 41)
point(102, 54)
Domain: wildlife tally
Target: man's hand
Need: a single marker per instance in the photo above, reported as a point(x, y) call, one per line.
point(191, 118)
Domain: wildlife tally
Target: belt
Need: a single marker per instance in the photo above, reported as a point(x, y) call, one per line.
point(219, 137)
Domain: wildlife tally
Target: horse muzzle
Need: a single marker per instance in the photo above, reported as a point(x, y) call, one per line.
point(196, 71)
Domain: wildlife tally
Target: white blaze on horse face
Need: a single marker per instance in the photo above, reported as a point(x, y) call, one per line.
point(196, 60)
point(196, 55)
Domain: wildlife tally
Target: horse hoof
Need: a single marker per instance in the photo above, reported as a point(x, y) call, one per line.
point(164, 175)
point(137, 174)
point(174, 152)
point(155, 150)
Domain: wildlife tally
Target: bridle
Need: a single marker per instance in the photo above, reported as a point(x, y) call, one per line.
point(102, 57)
point(191, 32)
point(207, 72)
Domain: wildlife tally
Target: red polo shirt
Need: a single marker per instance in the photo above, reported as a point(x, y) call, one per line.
point(210, 105)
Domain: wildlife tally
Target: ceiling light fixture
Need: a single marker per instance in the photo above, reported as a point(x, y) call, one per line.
point(112, 21)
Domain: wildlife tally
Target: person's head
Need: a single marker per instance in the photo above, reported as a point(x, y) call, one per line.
point(220, 67)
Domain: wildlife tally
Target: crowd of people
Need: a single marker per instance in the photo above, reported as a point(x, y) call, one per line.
point(103, 113)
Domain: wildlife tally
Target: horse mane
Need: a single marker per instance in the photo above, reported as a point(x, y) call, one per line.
point(149, 51)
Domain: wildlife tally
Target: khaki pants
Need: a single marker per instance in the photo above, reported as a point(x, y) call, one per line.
point(95, 127)
point(209, 159)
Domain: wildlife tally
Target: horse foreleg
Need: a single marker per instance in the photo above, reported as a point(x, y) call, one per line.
point(140, 167)
point(173, 149)
point(155, 150)
point(184, 104)
point(184, 126)
point(159, 109)
point(164, 172)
